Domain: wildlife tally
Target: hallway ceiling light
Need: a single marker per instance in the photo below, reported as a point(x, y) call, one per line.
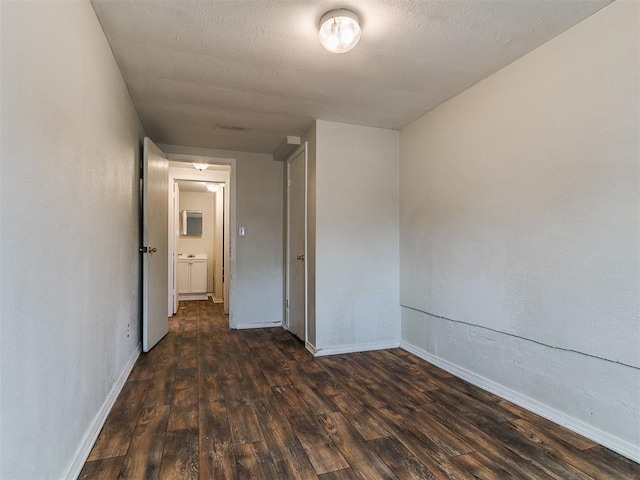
point(200, 166)
point(339, 30)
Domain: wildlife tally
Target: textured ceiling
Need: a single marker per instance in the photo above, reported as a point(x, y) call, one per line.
point(240, 75)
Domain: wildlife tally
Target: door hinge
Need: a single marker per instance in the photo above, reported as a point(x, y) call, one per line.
point(287, 303)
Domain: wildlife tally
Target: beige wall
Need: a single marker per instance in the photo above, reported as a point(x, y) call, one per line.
point(519, 230)
point(69, 262)
point(204, 202)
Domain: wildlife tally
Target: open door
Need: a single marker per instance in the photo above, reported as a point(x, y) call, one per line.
point(297, 244)
point(155, 272)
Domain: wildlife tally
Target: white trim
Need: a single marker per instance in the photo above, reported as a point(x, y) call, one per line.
point(287, 253)
point(247, 326)
point(214, 299)
point(355, 347)
point(171, 257)
point(88, 441)
point(306, 241)
point(616, 444)
point(311, 348)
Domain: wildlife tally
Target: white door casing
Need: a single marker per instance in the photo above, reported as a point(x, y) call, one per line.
point(227, 178)
point(297, 243)
point(219, 246)
point(174, 236)
point(226, 234)
point(155, 197)
point(172, 257)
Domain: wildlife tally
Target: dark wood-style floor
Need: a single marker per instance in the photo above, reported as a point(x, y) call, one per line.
point(212, 403)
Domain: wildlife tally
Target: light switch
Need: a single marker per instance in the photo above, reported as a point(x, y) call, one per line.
point(241, 231)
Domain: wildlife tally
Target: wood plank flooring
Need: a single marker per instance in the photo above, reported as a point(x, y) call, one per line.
point(211, 403)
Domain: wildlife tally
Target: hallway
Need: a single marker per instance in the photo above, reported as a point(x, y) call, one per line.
point(209, 403)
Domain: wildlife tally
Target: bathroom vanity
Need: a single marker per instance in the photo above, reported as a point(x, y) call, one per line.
point(192, 276)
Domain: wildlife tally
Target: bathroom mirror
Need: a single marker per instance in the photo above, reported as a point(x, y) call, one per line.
point(191, 223)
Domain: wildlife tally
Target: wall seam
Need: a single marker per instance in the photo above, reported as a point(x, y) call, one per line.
point(520, 337)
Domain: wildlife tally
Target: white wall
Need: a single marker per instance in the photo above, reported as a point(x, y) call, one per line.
point(310, 258)
point(256, 298)
point(357, 241)
point(519, 229)
point(69, 270)
point(205, 203)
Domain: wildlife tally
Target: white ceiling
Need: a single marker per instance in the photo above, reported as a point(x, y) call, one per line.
point(242, 74)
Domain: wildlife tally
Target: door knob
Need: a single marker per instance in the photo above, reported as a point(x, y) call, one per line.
point(153, 250)
point(300, 257)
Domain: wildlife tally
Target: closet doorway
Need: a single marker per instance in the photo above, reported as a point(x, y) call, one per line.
point(296, 266)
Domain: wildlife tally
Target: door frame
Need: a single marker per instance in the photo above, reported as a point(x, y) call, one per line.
point(293, 156)
point(174, 226)
point(229, 179)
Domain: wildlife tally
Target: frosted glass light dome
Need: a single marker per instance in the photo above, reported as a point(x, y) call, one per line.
point(339, 30)
point(200, 166)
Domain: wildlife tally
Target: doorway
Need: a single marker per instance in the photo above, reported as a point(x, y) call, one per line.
point(296, 285)
point(220, 175)
point(199, 241)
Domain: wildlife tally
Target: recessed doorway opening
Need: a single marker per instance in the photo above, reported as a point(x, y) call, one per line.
point(201, 240)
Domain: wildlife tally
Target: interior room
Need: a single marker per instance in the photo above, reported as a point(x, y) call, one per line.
point(359, 239)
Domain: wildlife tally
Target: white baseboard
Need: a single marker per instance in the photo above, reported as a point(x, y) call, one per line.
point(215, 299)
point(311, 348)
point(616, 444)
point(247, 326)
point(354, 347)
point(84, 449)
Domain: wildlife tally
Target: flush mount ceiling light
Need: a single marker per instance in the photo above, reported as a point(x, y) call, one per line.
point(339, 30)
point(200, 166)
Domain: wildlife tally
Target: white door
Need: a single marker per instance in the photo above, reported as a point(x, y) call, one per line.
point(297, 206)
point(155, 198)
